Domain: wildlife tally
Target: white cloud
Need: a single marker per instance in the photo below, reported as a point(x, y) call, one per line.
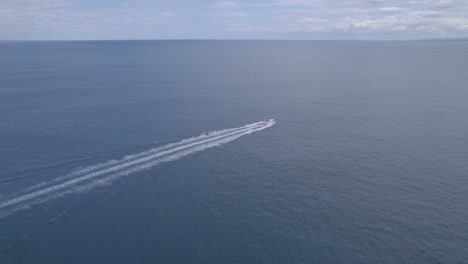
point(411, 23)
point(167, 14)
point(225, 4)
point(228, 9)
point(403, 17)
point(60, 13)
point(32, 4)
point(451, 3)
point(425, 13)
point(390, 9)
point(231, 14)
point(356, 16)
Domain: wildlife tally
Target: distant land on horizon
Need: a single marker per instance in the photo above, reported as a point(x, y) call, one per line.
point(445, 39)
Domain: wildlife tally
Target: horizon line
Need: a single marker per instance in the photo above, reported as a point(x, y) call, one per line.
point(234, 39)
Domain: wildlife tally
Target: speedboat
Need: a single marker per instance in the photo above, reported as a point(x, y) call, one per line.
point(268, 121)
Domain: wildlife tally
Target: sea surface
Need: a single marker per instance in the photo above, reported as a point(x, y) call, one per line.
point(156, 152)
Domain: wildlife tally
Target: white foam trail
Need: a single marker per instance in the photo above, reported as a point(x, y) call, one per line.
point(178, 155)
point(107, 179)
point(90, 177)
point(127, 158)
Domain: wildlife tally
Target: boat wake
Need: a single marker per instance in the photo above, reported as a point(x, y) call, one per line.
point(90, 177)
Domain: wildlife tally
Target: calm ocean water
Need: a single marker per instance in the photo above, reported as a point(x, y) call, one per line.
point(367, 161)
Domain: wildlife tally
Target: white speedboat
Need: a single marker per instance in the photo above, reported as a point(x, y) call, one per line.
point(268, 121)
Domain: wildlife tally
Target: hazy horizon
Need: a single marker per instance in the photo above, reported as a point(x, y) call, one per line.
point(232, 39)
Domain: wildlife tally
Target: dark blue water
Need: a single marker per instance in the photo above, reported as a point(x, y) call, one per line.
point(367, 161)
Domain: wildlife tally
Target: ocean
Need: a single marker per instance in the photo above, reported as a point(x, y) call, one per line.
point(159, 152)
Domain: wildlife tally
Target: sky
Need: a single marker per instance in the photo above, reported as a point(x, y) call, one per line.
point(249, 19)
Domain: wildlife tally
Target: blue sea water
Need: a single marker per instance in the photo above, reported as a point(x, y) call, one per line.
point(367, 161)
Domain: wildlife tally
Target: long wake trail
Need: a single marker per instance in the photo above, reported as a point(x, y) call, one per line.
point(90, 177)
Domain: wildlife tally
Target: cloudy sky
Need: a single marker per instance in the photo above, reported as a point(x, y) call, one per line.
point(249, 19)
